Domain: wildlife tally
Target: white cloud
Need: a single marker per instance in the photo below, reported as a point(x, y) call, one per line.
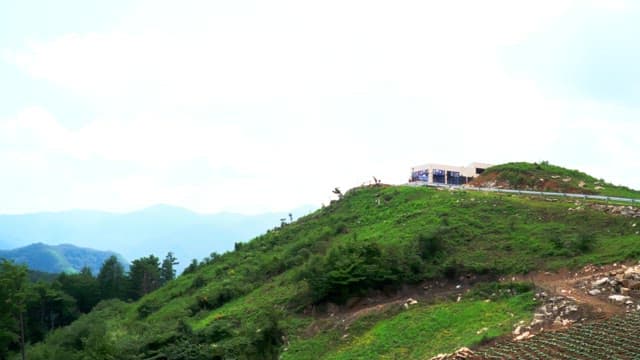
point(280, 103)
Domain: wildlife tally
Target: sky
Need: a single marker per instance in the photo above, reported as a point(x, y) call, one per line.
point(256, 106)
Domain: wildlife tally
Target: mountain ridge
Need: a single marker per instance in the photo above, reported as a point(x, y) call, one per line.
point(54, 259)
point(157, 229)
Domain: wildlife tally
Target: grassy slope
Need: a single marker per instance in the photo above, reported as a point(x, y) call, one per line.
point(484, 233)
point(522, 175)
point(419, 332)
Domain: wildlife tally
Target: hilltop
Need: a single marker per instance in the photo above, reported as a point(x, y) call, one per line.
point(59, 258)
point(336, 284)
point(546, 177)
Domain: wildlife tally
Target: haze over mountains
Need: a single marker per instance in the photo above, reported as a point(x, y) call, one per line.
point(60, 258)
point(154, 230)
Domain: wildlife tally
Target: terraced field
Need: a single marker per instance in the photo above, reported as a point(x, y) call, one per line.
point(616, 338)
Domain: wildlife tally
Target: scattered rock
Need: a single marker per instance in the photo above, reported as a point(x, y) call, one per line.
point(600, 282)
point(518, 330)
point(523, 336)
point(631, 284)
point(624, 291)
point(619, 298)
point(461, 354)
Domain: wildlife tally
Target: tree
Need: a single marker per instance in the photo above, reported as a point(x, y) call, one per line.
point(13, 295)
point(337, 192)
point(193, 266)
point(83, 287)
point(48, 307)
point(167, 272)
point(144, 276)
point(112, 282)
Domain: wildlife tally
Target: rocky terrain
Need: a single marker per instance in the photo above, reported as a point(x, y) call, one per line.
point(590, 295)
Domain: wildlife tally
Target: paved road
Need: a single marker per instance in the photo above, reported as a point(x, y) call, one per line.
point(528, 192)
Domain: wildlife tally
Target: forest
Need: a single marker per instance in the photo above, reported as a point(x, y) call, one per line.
point(35, 303)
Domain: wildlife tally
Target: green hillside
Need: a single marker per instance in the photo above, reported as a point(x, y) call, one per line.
point(546, 177)
point(271, 295)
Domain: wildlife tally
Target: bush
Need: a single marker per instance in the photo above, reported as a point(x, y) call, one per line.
point(430, 244)
point(582, 242)
point(220, 296)
point(353, 268)
point(198, 282)
point(147, 308)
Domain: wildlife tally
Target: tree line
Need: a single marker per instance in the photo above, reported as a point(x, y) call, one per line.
point(30, 309)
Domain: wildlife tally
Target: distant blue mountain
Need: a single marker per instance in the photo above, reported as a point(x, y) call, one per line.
point(154, 230)
point(59, 258)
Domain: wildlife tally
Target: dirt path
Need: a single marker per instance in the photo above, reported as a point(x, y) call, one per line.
point(565, 283)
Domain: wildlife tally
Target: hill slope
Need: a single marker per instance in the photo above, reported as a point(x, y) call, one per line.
point(281, 293)
point(547, 177)
point(59, 258)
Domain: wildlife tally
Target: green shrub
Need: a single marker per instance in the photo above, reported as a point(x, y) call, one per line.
point(353, 268)
point(431, 243)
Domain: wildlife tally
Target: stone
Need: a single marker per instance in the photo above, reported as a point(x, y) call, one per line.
point(571, 308)
point(536, 322)
point(631, 284)
point(518, 330)
point(618, 298)
point(462, 353)
point(523, 336)
point(600, 282)
point(594, 292)
point(624, 291)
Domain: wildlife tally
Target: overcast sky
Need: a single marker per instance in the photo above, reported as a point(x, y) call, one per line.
point(254, 106)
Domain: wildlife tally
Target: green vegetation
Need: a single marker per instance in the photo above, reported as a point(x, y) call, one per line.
point(35, 304)
point(58, 258)
point(448, 325)
point(546, 177)
point(259, 299)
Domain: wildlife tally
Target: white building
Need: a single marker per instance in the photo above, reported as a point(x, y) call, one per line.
point(447, 174)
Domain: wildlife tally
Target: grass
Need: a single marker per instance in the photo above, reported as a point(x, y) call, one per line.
point(546, 177)
point(420, 332)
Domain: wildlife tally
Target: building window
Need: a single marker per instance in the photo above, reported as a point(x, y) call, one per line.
point(453, 178)
point(420, 175)
point(438, 176)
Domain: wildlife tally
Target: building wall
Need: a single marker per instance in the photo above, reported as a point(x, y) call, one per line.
point(447, 174)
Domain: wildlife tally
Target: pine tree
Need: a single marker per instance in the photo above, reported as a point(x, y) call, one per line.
point(167, 272)
point(13, 295)
point(144, 276)
point(112, 282)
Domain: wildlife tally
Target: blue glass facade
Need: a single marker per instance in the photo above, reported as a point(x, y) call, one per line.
point(420, 175)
